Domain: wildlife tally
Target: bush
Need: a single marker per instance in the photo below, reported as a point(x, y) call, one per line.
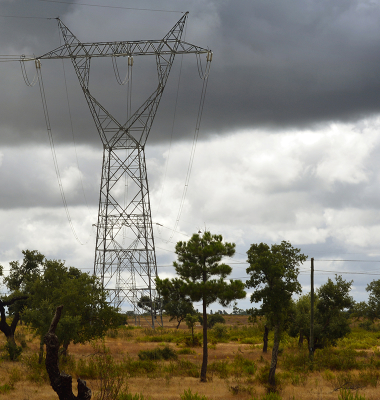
point(36, 372)
point(347, 395)
point(158, 353)
point(111, 377)
point(13, 351)
point(6, 388)
point(186, 351)
point(220, 331)
point(130, 396)
point(188, 395)
point(338, 360)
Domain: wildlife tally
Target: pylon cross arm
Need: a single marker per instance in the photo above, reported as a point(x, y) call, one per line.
point(124, 49)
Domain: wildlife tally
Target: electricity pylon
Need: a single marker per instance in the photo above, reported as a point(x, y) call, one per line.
point(125, 258)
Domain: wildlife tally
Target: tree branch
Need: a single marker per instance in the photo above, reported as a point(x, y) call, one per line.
point(61, 382)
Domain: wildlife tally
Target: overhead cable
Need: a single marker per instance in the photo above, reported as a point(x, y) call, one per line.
point(52, 147)
point(194, 145)
point(103, 6)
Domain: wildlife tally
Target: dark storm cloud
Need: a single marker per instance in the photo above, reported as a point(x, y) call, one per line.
point(296, 63)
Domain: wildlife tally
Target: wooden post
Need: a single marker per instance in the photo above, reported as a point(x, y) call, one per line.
point(311, 341)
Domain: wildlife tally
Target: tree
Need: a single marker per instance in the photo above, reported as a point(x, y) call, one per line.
point(202, 277)
point(300, 322)
point(373, 310)
point(60, 381)
point(274, 276)
point(175, 303)
point(86, 314)
point(331, 318)
point(17, 283)
point(191, 321)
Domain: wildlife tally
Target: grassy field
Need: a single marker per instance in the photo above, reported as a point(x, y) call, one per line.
point(237, 368)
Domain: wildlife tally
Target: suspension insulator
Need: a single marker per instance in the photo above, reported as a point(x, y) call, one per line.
point(209, 56)
point(130, 61)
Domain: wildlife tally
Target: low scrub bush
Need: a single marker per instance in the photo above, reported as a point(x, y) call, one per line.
point(36, 372)
point(347, 395)
point(188, 395)
point(12, 351)
point(86, 369)
point(139, 367)
point(6, 388)
point(336, 360)
point(111, 377)
point(297, 360)
point(158, 353)
point(269, 396)
point(130, 396)
point(187, 368)
point(242, 366)
point(185, 351)
point(220, 331)
point(219, 368)
point(370, 377)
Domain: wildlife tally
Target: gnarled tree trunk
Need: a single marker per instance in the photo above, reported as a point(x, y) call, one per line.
point(61, 382)
point(9, 330)
point(273, 365)
point(265, 339)
point(205, 349)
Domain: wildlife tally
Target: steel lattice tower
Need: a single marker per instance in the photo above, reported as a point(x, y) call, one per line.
point(126, 271)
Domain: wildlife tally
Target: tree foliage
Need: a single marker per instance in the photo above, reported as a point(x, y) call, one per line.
point(86, 314)
point(20, 275)
point(373, 310)
point(273, 275)
point(202, 276)
point(175, 302)
point(331, 317)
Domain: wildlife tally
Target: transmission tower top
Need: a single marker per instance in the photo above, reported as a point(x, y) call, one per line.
point(169, 44)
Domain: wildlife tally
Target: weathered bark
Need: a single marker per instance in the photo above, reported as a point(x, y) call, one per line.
point(9, 330)
point(41, 352)
point(300, 340)
point(273, 365)
point(205, 349)
point(265, 339)
point(61, 382)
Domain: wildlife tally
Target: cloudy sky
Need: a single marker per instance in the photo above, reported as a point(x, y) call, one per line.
point(289, 142)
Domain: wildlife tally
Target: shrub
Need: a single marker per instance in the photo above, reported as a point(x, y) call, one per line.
point(158, 353)
point(220, 368)
point(220, 330)
point(186, 350)
point(111, 377)
point(338, 360)
point(269, 396)
point(13, 351)
point(86, 370)
point(242, 366)
point(130, 396)
point(139, 367)
point(36, 372)
point(188, 395)
point(347, 395)
point(6, 388)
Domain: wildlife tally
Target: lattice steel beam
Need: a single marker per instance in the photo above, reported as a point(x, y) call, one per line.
point(125, 258)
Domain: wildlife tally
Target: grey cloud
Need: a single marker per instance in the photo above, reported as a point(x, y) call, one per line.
point(276, 64)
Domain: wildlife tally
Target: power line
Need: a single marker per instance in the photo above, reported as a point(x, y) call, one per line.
point(20, 16)
point(195, 140)
point(52, 147)
point(103, 6)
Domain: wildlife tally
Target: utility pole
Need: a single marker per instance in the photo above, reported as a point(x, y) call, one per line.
point(125, 258)
point(311, 341)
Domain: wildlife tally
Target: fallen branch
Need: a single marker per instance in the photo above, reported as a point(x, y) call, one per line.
point(61, 382)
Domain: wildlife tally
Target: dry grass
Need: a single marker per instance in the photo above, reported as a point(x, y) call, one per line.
point(169, 384)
